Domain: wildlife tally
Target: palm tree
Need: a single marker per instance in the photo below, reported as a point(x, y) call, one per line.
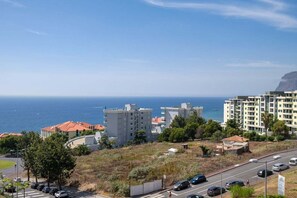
point(266, 119)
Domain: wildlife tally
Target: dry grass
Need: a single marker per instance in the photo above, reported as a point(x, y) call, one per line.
point(100, 169)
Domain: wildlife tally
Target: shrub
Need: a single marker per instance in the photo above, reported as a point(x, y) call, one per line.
point(139, 173)
point(270, 138)
point(81, 150)
point(241, 192)
point(279, 138)
point(272, 196)
point(120, 189)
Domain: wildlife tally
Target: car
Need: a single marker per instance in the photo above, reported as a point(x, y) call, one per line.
point(215, 190)
point(198, 179)
point(46, 189)
point(34, 185)
point(195, 196)
point(230, 184)
point(53, 190)
point(261, 173)
point(279, 167)
point(61, 194)
point(40, 187)
point(293, 161)
point(11, 189)
point(17, 179)
point(181, 185)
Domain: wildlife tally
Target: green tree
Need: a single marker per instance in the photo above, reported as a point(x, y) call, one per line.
point(178, 122)
point(56, 161)
point(231, 123)
point(232, 131)
point(59, 137)
point(89, 132)
point(29, 142)
point(81, 150)
point(210, 127)
point(190, 130)
point(280, 128)
point(105, 143)
point(177, 135)
point(164, 136)
point(9, 143)
point(205, 150)
point(194, 118)
point(266, 119)
point(140, 137)
point(217, 136)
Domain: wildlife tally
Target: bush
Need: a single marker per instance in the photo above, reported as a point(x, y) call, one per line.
point(270, 138)
point(279, 138)
point(120, 189)
point(139, 173)
point(81, 150)
point(241, 192)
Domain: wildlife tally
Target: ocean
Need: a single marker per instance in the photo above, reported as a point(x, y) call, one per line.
point(33, 113)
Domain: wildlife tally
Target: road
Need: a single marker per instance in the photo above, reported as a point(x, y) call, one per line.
point(12, 172)
point(244, 172)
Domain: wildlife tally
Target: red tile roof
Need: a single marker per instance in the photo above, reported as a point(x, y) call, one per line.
point(71, 126)
point(236, 138)
point(158, 119)
point(3, 135)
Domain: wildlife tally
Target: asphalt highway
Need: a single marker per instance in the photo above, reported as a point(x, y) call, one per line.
point(243, 172)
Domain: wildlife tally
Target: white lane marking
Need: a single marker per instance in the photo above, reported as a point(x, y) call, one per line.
point(174, 194)
point(257, 167)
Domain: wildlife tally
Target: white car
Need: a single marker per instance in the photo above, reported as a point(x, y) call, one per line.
point(61, 194)
point(293, 161)
point(279, 167)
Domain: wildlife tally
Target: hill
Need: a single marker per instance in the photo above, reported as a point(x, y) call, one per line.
point(288, 82)
point(107, 171)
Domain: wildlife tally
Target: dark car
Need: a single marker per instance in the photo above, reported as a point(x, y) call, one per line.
point(46, 189)
point(34, 185)
point(181, 185)
point(215, 190)
point(11, 189)
point(40, 187)
point(198, 179)
point(195, 196)
point(261, 173)
point(234, 183)
point(53, 190)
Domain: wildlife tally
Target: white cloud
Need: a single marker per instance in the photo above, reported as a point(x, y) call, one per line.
point(272, 12)
point(36, 32)
point(260, 64)
point(13, 3)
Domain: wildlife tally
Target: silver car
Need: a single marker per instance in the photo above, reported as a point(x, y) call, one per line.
point(61, 194)
point(279, 167)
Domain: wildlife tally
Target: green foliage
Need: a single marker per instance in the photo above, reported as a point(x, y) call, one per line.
point(164, 136)
point(60, 137)
point(140, 137)
point(217, 136)
point(139, 173)
point(231, 123)
point(105, 143)
point(178, 122)
point(232, 131)
point(81, 150)
point(121, 189)
point(177, 135)
point(241, 192)
point(90, 132)
point(210, 128)
point(190, 130)
point(279, 138)
point(280, 128)
point(205, 151)
point(9, 143)
point(194, 118)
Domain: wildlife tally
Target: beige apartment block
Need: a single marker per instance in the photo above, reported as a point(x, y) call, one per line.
point(247, 110)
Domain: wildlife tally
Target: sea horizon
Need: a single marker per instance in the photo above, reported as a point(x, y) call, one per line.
point(31, 113)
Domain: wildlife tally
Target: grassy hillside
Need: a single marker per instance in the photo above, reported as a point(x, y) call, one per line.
point(108, 170)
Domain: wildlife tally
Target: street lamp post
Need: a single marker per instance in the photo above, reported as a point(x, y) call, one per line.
point(221, 176)
point(265, 162)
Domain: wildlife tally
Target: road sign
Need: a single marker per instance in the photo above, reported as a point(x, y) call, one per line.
point(281, 185)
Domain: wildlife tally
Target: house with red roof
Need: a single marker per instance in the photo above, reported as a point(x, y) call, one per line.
point(70, 128)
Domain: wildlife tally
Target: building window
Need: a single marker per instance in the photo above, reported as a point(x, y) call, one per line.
point(131, 134)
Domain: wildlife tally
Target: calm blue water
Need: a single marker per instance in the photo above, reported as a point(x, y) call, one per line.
point(18, 114)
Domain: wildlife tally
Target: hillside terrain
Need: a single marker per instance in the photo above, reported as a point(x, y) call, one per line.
point(107, 171)
point(288, 82)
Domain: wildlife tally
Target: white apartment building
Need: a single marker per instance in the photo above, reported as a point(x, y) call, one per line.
point(122, 124)
point(247, 110)
point(185, 110)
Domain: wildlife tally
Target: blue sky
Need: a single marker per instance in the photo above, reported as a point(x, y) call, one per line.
point(145, 47)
